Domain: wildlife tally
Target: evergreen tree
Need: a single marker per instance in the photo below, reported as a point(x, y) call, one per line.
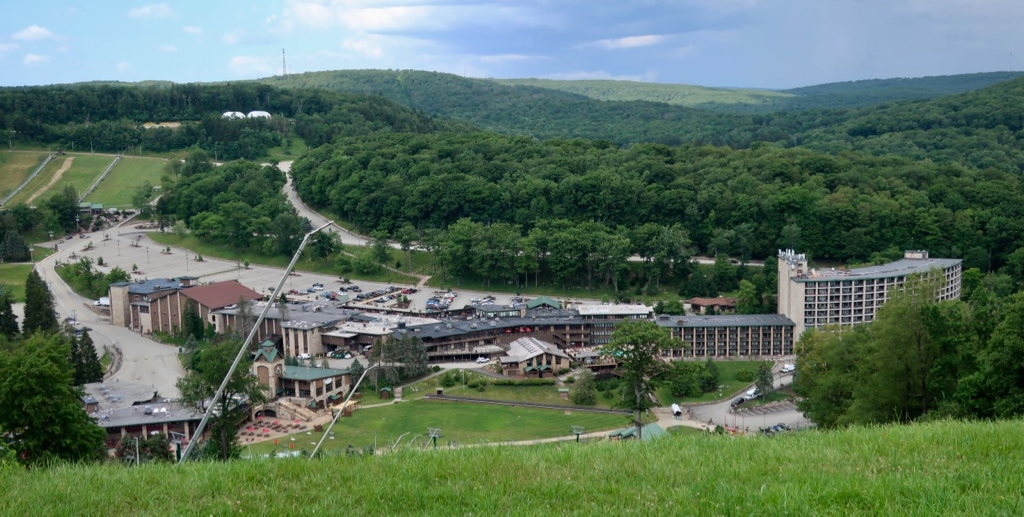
point(765, 379)
point(356, 371)
point(584, 392)
point(709, 381)
point(85, 361)
point(40, 410)
point(13, 248)
point(8, 320)
point(39, 312)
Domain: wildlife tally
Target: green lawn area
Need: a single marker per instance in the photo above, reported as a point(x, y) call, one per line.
point(325, 266)
point(13, 276)
point(130, 173)
point(39, 182)
point(727, 371)
point(83, 172)
point(15, 167)
point(464, 423)
point(684, 430)
point(941, 467)
point(283, 154)
point(534, 394)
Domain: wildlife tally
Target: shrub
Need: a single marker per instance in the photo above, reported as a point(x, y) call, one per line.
point(563, 371)
point(448, 380)
point(523, 382)
point(570, 379)
point(745, 376)
point(435, 368)
point(607, 395)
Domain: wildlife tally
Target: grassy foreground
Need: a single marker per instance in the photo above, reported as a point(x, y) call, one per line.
point(928, 469)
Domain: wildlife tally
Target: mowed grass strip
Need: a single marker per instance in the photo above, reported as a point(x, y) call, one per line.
point(936, 468)
point(466, 423)
point(727, 371)
point(13, 277)
point(120, 185)
point(83, 172)
point(39, 182)
point(15, 167)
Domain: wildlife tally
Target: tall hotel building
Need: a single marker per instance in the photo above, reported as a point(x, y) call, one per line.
point(819, 297)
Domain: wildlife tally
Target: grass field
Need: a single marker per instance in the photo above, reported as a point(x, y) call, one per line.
point(83, 172)
point(13, 276)
point(679, 94)
point(39, 182)
point(464, 423)
point(937, 468)
point(15, 167)
point(727, 371)
point(535, 394)
point(130, 173)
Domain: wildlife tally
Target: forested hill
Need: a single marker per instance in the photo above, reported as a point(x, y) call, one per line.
point(539, 112)
point(110, 117)
point(980, 129)
point(852, 94)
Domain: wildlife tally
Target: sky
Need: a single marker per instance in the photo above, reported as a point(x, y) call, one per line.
point(727, 43)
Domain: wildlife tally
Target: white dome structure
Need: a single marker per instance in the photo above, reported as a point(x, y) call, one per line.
point(258, 114)
point(233, 114)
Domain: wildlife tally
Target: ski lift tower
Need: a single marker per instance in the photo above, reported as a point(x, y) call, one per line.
point(577, 430)
point(434, 433)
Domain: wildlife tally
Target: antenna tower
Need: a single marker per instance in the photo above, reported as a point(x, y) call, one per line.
point(284, 65)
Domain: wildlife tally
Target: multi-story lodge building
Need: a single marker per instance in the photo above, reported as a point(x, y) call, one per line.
point(818, 297)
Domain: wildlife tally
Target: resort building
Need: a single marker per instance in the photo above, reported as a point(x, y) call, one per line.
point(747, 335)
point(818, 297)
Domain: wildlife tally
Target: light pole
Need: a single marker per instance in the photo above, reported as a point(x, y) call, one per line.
point(78, 223)
point(10, 138)
point(147, 254)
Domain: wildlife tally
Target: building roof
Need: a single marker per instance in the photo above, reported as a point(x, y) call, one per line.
point(704, 302)
point(267, 350)
point(543, 300)
point(731, 320)
point(148, 287)
point(221, 294)
point(307, 373)
point(619, 309)
point(902, 267)
point(526, 348)
point(159, 413)
point(648, 432)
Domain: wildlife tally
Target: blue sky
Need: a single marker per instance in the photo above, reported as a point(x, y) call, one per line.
point(743, 43)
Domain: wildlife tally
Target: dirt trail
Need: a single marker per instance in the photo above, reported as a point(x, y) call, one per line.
point(56, 177)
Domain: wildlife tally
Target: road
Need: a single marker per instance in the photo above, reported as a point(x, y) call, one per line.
point(142, 360)
point(751, 418)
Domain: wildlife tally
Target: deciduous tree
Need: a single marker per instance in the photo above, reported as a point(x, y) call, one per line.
point(636, 346)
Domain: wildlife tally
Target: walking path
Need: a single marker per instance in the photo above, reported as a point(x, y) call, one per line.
point(56, 177)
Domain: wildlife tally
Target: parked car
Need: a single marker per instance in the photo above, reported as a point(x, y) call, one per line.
point(738, 402)
point(482, 360)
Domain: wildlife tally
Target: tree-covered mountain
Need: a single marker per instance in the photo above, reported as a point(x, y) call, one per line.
point(678, 94)
point(538, 112)
point(110, 117)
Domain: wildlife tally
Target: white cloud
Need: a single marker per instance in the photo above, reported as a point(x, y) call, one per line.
point(627, 42)
point(167, 48)
point(233, 38)
point(249, 66)
point(151, 12)
point(33, 33)
point(34, 59)
point(193, 30)
point(396, 15)
point(7, 47)
point(600, 74)
point(503, 58)
point(125, 67)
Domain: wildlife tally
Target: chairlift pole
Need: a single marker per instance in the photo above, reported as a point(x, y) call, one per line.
point(245, 346)
point(344, 404)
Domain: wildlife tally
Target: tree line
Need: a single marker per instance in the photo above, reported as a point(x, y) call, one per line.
point(919, 359)
point(748, 203)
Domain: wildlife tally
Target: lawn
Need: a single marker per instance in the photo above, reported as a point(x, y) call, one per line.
point(533, 394)
point(462, 422)
point(933, 468)
point(13, 276)
point(727, 381)
point(15, 167)
point(130, 173)
point(83, 172)
point(325, 266)
point(39, 182)
point(283, 154)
